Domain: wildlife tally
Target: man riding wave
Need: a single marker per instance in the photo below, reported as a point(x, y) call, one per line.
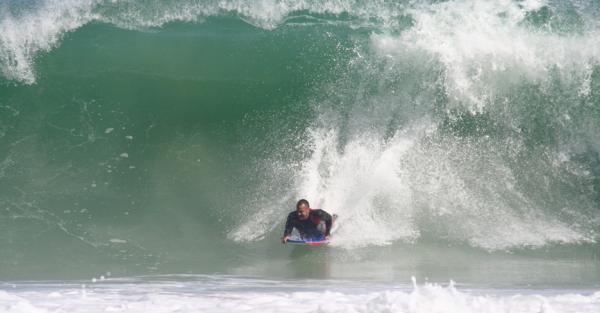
point(308, 222)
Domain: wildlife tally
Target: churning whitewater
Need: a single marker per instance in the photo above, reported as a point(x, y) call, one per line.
point(207, 294)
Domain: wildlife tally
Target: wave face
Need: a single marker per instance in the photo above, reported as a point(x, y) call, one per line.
point(145, 137)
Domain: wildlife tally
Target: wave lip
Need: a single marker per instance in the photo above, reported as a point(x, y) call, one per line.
point(27, 29)
point(38, 29)
point(445, 29)
point(486, 48)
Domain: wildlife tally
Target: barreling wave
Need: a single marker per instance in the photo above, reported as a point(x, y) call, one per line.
point(143, 133)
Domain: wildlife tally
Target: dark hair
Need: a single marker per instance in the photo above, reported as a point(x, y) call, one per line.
point(302, 201)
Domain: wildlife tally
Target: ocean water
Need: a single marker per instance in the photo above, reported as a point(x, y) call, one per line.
point(150, 151)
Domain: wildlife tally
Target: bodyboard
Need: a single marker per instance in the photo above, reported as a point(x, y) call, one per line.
point(312, 241)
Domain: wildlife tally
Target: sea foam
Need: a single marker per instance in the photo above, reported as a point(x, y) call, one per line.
point(231, 294)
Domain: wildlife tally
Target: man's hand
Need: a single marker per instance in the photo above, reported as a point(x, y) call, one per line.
point(284, 239)
point(328, 237)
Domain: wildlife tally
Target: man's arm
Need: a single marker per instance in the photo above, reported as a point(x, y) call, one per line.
point(328, 220)
point(289, 226)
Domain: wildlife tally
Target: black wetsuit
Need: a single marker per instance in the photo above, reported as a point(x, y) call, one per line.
point(308, 227)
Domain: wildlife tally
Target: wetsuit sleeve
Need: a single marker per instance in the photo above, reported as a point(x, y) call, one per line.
point(289, 226)
point(328, 221)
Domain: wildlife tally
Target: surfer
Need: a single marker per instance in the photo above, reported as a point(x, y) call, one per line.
point(307, 222)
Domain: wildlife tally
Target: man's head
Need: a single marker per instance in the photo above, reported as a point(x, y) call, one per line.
point(303, 209)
